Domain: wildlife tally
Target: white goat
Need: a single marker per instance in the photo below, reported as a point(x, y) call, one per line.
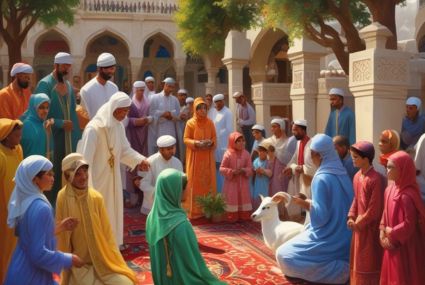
point(275, 232)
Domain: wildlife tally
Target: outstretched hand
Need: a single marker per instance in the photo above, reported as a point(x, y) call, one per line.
point(67, 224)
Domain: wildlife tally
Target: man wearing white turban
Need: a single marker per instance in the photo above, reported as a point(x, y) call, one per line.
point(104, 146)
point(66, 131)
point(413, 124)
point(99, 89)
point(149, 93)
point(15, 97)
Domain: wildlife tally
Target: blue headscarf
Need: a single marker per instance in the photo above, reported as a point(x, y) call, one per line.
point(25, 191)
point(331, 163)
point(35, 101)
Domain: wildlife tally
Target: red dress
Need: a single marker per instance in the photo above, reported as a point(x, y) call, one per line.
point(366, 210)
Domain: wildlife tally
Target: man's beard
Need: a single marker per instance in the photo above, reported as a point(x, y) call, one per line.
point(60, 75)
point(105, 76)
point(23, 84)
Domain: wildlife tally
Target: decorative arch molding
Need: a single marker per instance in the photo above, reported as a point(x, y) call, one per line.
point(35, 39)
point(165, 35)
point(105, 32)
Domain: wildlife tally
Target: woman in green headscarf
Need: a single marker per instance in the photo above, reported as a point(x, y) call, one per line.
point(173, 247)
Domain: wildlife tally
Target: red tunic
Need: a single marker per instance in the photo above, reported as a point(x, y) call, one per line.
point(366, 210)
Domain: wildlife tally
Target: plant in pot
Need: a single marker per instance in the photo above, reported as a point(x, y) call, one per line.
point(213, 206)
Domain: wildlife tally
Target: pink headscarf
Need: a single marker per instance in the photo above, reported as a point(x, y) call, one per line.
point(233, 137)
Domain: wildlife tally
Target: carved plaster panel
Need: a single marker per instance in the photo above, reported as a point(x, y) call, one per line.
point(362, 70)
point(391, 69)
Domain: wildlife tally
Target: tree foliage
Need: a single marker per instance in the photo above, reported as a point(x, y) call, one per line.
point(204, 25)
point(19, 16)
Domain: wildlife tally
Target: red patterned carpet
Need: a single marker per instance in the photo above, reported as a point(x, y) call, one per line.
point(246, 259)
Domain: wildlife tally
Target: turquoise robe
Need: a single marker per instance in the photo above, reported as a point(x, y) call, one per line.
point(34, 136)
point(57, 106)
point(346, 124)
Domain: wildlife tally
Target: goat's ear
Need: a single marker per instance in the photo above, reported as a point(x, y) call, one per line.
point(261, 197)
point(281, 197)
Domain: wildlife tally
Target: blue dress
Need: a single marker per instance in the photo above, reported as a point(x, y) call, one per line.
point(346, 124)
point(35, 257)
point(321, 253)
point(261, 182)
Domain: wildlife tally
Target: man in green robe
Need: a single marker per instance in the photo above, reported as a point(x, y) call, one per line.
point(65, 130)
point(173, 247)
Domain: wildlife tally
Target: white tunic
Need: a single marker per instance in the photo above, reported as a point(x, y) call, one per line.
point(160, 104)
point(94, 95)
point(223, 122)
point(245, 115)
point(147, 185)
point(152, 127)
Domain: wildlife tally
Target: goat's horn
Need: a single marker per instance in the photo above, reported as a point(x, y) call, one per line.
point(261, 196)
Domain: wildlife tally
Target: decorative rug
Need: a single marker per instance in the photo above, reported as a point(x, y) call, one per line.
point(246, 259)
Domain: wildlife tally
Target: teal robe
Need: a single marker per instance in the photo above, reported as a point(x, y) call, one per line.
point(34, 137)
point(173, 247)
point(61, 108)
point(346, 124)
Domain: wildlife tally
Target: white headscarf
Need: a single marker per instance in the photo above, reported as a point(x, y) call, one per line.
point(25, 191)
point(105, 115)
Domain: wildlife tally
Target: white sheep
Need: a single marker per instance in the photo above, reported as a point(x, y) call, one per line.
point(275, 232)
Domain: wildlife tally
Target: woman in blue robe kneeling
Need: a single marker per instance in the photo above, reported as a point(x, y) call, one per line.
point(321, 253)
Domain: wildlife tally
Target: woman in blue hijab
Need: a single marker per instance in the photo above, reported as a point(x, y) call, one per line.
point(321, 253)
point(36, 137)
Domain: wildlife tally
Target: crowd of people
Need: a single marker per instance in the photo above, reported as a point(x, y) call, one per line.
point(66, 155)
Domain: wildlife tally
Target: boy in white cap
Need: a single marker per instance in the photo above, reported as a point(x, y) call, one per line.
point(159, 161)
point(245, 117)
point(66, 131)
point(413, 124)
point(100, 88)
point(222, 118)
point(341, 120)
point(165, 109)
point(15, 97)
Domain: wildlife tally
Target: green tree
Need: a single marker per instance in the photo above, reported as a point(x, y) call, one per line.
point(204, 25)
point(19, 16)
point(319, 20)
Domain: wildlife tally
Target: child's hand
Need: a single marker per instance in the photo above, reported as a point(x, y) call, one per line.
point(351, 224)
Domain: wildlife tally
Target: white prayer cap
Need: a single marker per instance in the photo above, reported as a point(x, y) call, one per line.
point(414, 101)
point(237, 94)
point(63, 58)
point(165, 141)
point(169, 80)
point(258, 127)
point(301, 122)
point(139, 84)
point(149, 79)
point(105, 60)
point(280, 122)
point(218, 97)
point(73, 161)
point(182, 91)
point(20, 67)
point(337, 91)
point(189, 100)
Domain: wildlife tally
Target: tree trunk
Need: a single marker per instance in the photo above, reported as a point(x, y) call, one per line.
point(15, 53)
point(384, 13)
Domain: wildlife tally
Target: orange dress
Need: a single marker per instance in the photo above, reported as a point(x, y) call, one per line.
point(200, 163)
point(13, 104)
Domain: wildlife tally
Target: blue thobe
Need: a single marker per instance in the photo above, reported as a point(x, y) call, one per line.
point(346, 124)
point(411, 131)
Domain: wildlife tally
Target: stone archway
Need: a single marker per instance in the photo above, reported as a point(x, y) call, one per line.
point(45, 49)
point(112, 43)
point(158, 59)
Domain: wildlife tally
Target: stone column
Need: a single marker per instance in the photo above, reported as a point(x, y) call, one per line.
point(210, 85)
point(236, 56)
point(305, 57)
point(180, 64)
point(379, 79)
point(135, 64)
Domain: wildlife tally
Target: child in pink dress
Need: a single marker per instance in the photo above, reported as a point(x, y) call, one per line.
point(236, 169)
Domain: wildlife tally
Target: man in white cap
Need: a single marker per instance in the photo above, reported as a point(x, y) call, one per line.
point(165, 109)
point(66, 131)
point(92, 239)
point(245, 117)
point(341, 120)
point(150, 92)
point(159, 161)
point(181, 123)
point(99, 89)
point(105, 146)
point(301, 166)
point(15, 97)
point(222, 118)
point(413, 124)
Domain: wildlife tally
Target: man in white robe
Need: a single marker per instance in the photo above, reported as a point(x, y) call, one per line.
point(165, 109)
point(159, 161)
point(104, 146)
point(222, 118)
point(181, 123)
point(99, 89)
point(245, 118)
point(149, 93)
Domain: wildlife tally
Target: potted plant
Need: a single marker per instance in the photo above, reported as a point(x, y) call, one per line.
point(213, 206)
